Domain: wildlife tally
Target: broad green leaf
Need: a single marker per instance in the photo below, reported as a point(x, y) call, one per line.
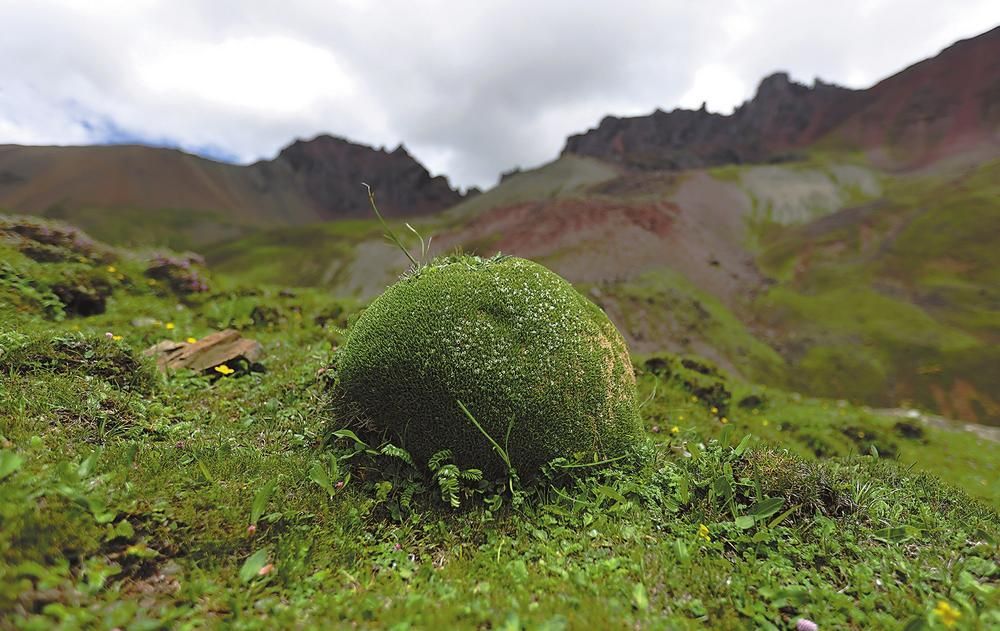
point(682, 550)
point(694, 449)
point(9, 463)
point(610, 493)
point(722, 487)
point(742, 447)
point(766, 507)
point(88, 465)
point(744, 521)
point(724, 437)
point(260, 501)
point(639, 598)
point(684, 490)
point(319, 475)
point(782, 517)
point(346, 433)
point(895, 534)
point(252, 566)
point(205, 472)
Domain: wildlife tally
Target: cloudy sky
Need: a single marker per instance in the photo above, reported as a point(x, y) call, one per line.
point(472, 88)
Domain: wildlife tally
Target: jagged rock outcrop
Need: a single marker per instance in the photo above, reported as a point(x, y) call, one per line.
point(783, 116)
point(945, 104)
point(331, 170)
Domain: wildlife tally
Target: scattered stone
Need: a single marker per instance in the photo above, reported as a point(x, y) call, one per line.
point(752, 402)
point(180, 272)
point(659, 366)
point(220, 348)
point(909, 429)
point(700, 367)
point(51, 241)
point(83, 294)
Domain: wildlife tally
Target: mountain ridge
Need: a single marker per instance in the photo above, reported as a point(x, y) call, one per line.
point(309, 180)
point(929, 110)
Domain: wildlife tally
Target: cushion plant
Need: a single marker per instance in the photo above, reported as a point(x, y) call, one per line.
point(539, 368)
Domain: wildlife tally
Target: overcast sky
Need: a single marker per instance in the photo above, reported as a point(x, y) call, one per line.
point(472, 88)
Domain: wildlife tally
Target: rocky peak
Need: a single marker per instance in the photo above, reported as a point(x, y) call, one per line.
point(775, 84)
point(782, 115)
point(937, 106)
point(332, 170)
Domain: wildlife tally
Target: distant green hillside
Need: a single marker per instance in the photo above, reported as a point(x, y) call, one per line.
point(896, 299)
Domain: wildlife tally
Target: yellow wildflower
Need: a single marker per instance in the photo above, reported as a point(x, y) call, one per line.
point(703, 533)
point(723, 420)
point(112, 269)
point(223, 369)
point(169, 326)
point(715, 410)
point(765, 422)
point(191, 340)
point(675, 430)
point(948, 614)
point(116, 337)
point(694, 398)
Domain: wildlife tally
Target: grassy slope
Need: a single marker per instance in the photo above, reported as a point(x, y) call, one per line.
point(177, 229)
point(126, 497)
point(901, 294)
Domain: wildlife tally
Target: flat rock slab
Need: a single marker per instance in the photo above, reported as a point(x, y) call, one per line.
point(208, 352)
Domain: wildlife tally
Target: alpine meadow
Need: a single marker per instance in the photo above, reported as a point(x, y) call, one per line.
point(700, 370)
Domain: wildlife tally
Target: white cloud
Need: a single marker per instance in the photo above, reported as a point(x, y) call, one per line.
point(472, 88)
point(274, 76)
point(718, 87)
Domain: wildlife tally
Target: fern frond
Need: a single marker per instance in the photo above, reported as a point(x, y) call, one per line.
point(474, 475)
point(438, 459)
point(399, 453)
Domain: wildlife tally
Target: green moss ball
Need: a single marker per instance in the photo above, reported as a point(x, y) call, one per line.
point(540, 367)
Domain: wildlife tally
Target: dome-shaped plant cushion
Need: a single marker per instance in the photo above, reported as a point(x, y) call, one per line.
point(539, 366)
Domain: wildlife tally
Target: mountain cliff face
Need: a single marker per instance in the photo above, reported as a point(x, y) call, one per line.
point(330, 172)
point(782, 116)
point(935, 108)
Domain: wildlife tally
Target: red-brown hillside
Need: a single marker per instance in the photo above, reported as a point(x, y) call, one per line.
point(938, 107)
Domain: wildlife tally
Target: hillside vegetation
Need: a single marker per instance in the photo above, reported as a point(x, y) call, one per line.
point(138, 500)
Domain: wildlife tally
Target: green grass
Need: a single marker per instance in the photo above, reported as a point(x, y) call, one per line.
point(127, 497)
point(893, 301)
point(310, 255)
point(567, 175)
point(664, 305)
point(174, 228)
